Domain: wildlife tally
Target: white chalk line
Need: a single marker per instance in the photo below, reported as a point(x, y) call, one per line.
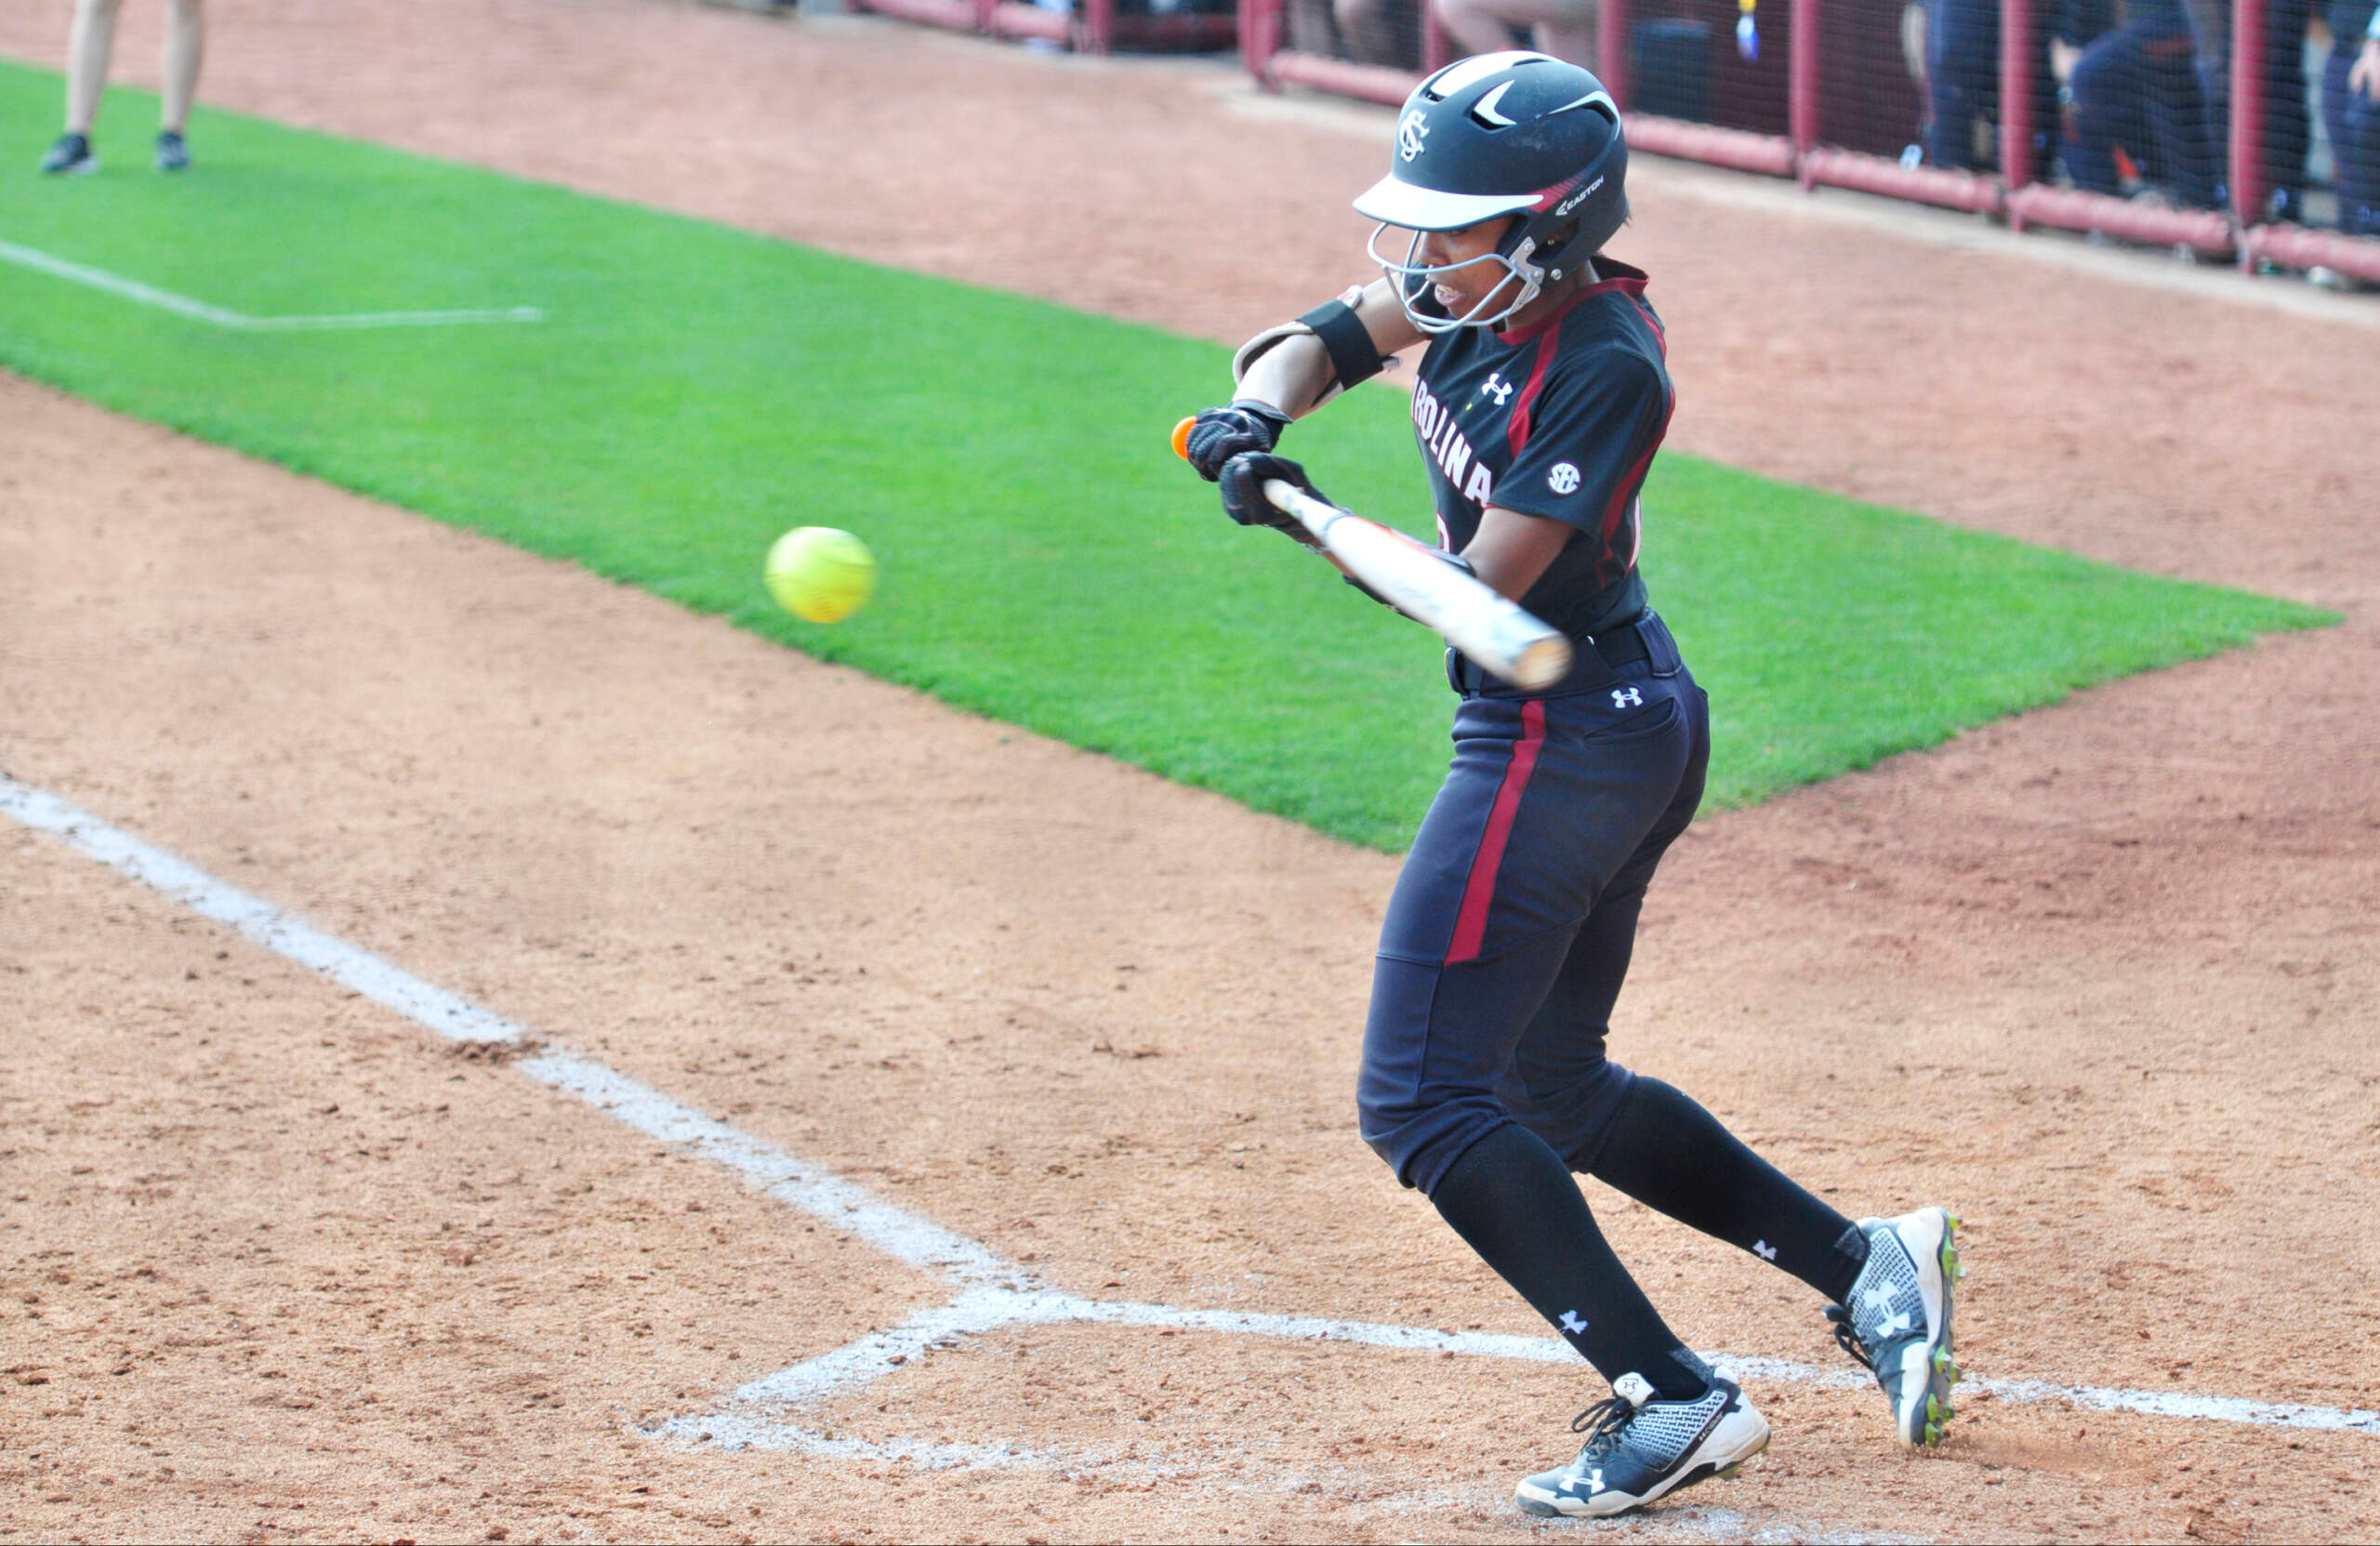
point(993, 1294)
point(218, 316)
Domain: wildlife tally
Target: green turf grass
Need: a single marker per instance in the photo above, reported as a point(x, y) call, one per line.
point(1046, 560)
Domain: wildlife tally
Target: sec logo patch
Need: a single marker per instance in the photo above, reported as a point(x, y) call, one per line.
point(1564, 478)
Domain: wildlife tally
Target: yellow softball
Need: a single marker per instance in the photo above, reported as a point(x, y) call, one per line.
point(820, 574)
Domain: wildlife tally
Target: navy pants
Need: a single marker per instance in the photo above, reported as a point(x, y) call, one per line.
point(2139, 87)
point(1961, 77)
point(1509, 930)
point(2353, 122)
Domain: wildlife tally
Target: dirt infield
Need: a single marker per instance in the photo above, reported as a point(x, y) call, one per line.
point(278, 1263)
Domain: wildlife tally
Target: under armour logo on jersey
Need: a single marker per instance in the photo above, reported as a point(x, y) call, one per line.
point(1563, 479)
point(1628, 697)
point(1497, 388)
point(1571, 1323)
point(1763, 1249)
point(1410, 133)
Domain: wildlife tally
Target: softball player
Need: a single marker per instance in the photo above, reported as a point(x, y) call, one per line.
point(1541, 399)
point(88, 47)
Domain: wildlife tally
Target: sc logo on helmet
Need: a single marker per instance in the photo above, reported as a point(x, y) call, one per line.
point(1410, 133)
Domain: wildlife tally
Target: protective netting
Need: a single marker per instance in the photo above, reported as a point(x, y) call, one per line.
point(1363, 31)
point(2134, 99)
point(2132, 117)
point(2140, 92)
point(1722, 62)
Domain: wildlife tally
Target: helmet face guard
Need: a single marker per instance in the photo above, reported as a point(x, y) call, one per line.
point(1510, 134)
point(1414, 282)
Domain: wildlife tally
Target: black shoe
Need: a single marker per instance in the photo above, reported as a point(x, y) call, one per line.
point(173, 153)
point(70, 157)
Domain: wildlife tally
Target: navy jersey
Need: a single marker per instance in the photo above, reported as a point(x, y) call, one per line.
point(1560, 420)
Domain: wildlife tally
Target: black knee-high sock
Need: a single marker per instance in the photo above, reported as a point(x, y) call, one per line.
point(1670, 1153)
point(1516, 1203)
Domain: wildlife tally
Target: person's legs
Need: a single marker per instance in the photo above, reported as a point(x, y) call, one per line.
point(1475, 26)
point(1517, 1205)
point(2353, 120)
point(185, 40)
point(1669, 1154)
point(1571, 40)
point(1890, 1278)
point(1571, 36)
point(2109, 87)
point(1640, 1136)
point(2185, 156)
point(88, 47)
point(1533, 820)
point(1566, 28)
point(1962, 65)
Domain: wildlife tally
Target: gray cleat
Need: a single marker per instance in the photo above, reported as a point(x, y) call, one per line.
point(70, 157)
point(1639, 1449)
point(1899, 1320)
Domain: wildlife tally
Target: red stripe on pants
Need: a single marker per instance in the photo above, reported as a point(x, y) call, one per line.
point(1471, 924)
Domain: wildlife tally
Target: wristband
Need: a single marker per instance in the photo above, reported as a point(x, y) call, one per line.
point(1353, 356)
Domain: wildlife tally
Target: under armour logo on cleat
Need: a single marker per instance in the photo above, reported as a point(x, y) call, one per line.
point(1627, 697)
point(1571, 1323)
point(1763, 1249)
point(1875, 1299)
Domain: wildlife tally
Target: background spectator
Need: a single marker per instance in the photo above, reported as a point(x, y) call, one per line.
point(2289, 128)
point(2135, 88)
point(88, 47)
point(1961, 77)
point(2351, 111)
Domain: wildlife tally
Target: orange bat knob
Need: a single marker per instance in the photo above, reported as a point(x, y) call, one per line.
point(1181, 438)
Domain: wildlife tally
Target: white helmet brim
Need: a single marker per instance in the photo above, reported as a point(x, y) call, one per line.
point(1409, 206)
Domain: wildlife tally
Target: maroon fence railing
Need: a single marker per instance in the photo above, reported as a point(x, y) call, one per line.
point(1093, 26)
point(1845, 110)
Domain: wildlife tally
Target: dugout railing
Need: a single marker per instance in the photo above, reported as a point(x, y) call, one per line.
point(1963, 103)
point(1089, 26)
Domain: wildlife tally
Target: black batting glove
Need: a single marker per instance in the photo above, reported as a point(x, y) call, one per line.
point(1219, 435)
point(1243, 480)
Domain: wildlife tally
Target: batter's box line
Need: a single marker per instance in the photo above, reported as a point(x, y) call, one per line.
point(754, 1417)
point(993, 1293)
point(217, 316)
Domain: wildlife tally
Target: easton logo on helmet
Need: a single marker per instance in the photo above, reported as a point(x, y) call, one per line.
point(1410, 134)
point(1576, 199)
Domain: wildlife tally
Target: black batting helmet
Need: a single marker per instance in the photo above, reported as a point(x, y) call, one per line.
point(1515, 133)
